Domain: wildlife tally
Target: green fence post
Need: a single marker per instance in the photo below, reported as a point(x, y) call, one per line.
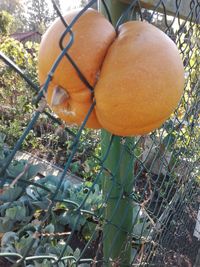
point(116, 7)
point(117, 187)
point(119, 209)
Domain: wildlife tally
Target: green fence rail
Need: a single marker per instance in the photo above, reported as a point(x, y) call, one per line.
point(138, 206)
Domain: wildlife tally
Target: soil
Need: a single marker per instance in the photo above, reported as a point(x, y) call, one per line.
point(179, 246)
point(4, 263)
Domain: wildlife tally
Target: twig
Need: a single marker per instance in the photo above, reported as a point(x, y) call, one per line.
point(27, 166)
point(38, 235)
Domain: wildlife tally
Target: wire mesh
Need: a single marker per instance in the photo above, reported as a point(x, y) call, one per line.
point(65, 224)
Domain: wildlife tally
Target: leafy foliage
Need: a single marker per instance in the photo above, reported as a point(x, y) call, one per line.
point(15, 96)
point(29, 15)
point(40, 14)
point(6, 21)
point(24, 198)
point(17, 10)
point(21, 211)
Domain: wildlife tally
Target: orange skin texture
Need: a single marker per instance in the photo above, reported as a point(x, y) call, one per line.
point(141, 81)
point(93, 35)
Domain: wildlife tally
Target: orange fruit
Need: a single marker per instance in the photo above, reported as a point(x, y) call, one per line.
point(141, 80)
point(67, 94)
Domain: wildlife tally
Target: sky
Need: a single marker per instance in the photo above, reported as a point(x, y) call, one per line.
point(66, 4)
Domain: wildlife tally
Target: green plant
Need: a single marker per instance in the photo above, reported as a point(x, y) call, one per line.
point(15, 96)
point(45, 245)
point(23, 199)
point(6, 21)
point(22, 206)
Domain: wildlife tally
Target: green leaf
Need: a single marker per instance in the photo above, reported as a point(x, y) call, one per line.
point(2, 138)
point(18, 167)
point(49, 228)
point(9, 249)
point(133, 254)
point(69, 251)
point(88, 230)
point(28, 228)
point(16, 213)
point(11, 194)
point(70, 218)
point(33, 170)
point(6, 225)
point(77, 253)
point(41, 204)
point(141, 229)
point(24, 242)
point(9, 238)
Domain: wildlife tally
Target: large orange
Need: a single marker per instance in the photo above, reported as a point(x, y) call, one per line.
point(141, 80)
point(93, 34)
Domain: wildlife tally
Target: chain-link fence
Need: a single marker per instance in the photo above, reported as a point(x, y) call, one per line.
point(145, 219)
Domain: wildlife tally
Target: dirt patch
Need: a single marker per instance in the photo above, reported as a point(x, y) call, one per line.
point(178, 247)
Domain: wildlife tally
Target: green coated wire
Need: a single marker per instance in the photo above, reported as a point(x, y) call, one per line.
point(175, 203)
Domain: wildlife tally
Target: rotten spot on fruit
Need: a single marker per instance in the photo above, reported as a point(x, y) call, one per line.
point(59, 96)
point(68, 111)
